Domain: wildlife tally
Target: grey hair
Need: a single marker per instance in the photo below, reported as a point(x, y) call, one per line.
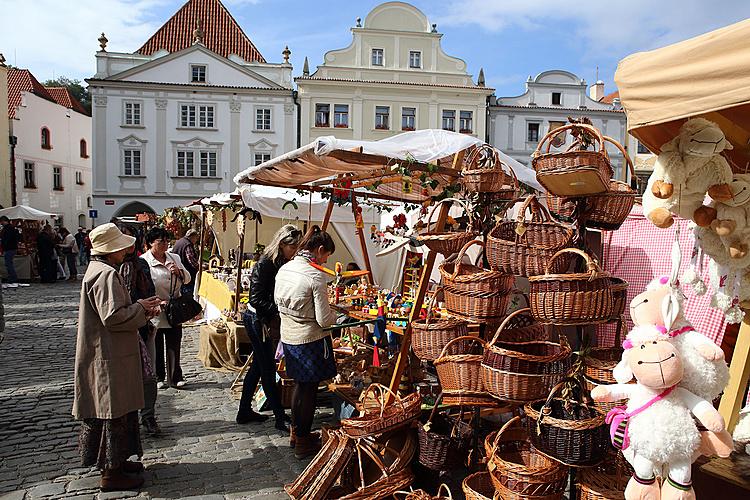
point(287, 235)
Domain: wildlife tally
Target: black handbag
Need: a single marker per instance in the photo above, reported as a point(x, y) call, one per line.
point(180, 309)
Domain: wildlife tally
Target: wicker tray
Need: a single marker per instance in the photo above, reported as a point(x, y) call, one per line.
point(448, 243)
point(383, 415)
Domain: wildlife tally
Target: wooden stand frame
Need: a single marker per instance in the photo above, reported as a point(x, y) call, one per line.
point(739, 374)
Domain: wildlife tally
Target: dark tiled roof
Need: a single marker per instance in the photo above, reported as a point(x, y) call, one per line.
point(389, 82)
point(607, 99)
point(63, 97)
point(21, 80)
point(221, 33)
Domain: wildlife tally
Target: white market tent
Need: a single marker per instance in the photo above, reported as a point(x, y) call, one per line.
point(25, 212)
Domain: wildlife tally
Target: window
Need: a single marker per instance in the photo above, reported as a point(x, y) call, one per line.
point(556, 98)
point(89, 202)
point(415, 59)
point(341, 115)
point(408, 118)
point(185, 164)
point(57, 183)
point(197, 73)
point(196, 116)
point(81, 220)
point(259, 158)
point(79, 177)
point(46, 144)
point(465, 122)
point(263, 119)
point(532, 133)
point(642, 150)
point(449, 119)
point(322, 115)
point(131, 162)
point(29, 177)
point(206, 163)
point(132, 113)
point(381, 117)
point(377, 57)
point(83, 149)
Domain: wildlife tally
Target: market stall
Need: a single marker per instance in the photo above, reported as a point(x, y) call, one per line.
point(28, 220)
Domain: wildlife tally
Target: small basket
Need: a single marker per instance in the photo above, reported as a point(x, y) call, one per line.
point(430, 335)
point(443, 493)
point(483, 173)
point(444, 440)
point(572, 432)
point(524, 248)
point(571, 298)
point(606, 211)
point(383, 416)
point(519, 468)
point(448, 243)
point(573, 172)
point(598, 364)
point(606, 481)
point(459, 371)
point(523, 327)
point(478, 486)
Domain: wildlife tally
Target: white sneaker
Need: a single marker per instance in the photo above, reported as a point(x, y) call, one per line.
point(161, 385)
point(12, 285)
point(181, 384)
point(23, 285)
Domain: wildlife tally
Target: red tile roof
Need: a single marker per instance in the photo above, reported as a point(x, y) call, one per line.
point(607, 99)
point(21, 80)
point(221, 33)
point(63, 97)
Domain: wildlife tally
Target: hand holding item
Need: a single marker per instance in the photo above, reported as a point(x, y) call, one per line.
point(174, 269)
point(151, 305)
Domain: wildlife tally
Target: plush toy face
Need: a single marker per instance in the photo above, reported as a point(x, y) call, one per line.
point(646, 308)
point(740, 192)
point(702, 138)
point(655, 364)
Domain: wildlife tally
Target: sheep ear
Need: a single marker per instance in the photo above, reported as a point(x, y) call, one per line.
point(622, 372)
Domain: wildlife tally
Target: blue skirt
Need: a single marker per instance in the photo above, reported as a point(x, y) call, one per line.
point(311, 362)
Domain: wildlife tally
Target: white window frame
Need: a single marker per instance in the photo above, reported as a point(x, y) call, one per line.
point(265, 122)
point(133, 122)
point(381, 53)
point(130, 152)
point(208, 158)
point(452, 119)
point(387, 124)
point(413, 117)
point(339, 114)
point(260, 157)
point(193, 67)
point(187, 158)
point(196, 162)
point(328, 115)
point(539, 131)
point(32, 177)
point(415, 54)
point(195, 113)
point(461, 125)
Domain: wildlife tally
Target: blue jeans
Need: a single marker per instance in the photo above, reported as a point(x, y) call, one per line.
point(263, 368)
point(10, 266)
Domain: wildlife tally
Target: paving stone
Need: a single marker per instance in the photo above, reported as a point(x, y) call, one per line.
point(113, 495)
point(86, 483)
point(16, 495)
point(46, 490)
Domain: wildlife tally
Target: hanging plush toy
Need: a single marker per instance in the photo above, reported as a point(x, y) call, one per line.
point(686, 169)
point(732, 223)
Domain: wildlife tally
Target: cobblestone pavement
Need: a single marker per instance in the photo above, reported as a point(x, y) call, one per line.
point(203, 453)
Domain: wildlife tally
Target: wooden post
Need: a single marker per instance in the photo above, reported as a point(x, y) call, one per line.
point(424, 282)
point(362, 240)
point(739, 373)
point(238, 287)
point(327, 217)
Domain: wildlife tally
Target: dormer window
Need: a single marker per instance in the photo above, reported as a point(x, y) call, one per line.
point(415, 59)
point(46, 143)
point(556, 98)
point(377, 57)
point(198, 73)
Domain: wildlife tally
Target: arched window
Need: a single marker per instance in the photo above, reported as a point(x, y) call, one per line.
point(84, 150)
point(46, 142)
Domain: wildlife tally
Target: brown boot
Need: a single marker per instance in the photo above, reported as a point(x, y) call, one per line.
point(117, 480)
point(132, 467)
point(306, 446)
point(292, 437)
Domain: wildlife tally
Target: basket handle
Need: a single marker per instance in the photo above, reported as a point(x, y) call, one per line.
point(591, 264)
point(442, 487)
point(459, 258)
point(628, 161)
point(507, 425)
point(474, 154)
point(431, 303)
point(532, 202)
point(380, 396)
point(434, 409)
point(553, 133)
point(507, 319)
point(463, 204)
point(463, 337)
point(545, 409)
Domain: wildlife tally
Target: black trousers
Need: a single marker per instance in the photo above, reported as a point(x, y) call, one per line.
point(303, 407)
point(171, 371)
point(262, 369)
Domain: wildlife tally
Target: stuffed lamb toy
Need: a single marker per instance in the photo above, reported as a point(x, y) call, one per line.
point(688, 167)
point(732, 223)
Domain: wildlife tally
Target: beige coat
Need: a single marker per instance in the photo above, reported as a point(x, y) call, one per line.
point(108, 376)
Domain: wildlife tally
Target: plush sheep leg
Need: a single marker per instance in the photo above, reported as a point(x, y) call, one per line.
point(660, 217)
point(719, 444)
point(703, 215)
point(723, 227)
point(643, 484)
point(662, 190)
point(721, 192)
point(678, 485)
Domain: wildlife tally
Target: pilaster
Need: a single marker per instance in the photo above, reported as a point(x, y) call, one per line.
point(161, 164)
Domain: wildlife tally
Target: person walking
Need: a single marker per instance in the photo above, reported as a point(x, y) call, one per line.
point(69, 249)
point(80, 238)
point(107, 375)
point(168, 274)
point(301, 295)
point(262, 324)
point(45, 251)
point(9, 239)
point(185, 248)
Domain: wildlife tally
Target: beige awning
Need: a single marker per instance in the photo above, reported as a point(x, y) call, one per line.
point(706, 76)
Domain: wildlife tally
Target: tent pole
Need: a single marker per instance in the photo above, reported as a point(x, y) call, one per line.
point(362, 241)
point(739, 373)
point(424, 283)
point(327, 218)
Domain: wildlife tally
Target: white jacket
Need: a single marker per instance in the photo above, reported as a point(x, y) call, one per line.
point(301, 294)
point(162, 277)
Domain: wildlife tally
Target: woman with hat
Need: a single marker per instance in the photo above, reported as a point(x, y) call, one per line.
point(108, 379)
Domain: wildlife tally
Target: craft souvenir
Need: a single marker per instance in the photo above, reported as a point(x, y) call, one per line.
point(688, 167)
point(732, 223)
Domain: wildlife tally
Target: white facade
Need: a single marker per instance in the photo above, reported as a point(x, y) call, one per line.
point(517, 124)
point(162, 139)
point(393, 77)
point(5, 187)
point(56, 178)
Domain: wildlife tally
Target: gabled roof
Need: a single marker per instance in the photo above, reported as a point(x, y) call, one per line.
point(607, 99)
point(63, 97)
point(221, 33)
point(21, 80)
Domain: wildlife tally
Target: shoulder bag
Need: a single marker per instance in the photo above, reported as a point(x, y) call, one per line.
point(180, 309)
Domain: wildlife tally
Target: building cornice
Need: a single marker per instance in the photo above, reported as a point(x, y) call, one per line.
point(553, 110)
point(129, 84)
point(332, 81)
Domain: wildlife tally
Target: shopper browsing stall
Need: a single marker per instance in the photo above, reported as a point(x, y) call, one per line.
point(262, 324)
point(301, 296)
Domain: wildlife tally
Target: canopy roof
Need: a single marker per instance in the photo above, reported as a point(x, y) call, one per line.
point(708, 75)
point(26, 213)
point(372, 164)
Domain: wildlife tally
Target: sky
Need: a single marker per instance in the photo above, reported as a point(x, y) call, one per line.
point(510, 39)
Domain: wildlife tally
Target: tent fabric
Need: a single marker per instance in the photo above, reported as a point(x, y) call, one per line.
point(708, 75)
point(25, 212)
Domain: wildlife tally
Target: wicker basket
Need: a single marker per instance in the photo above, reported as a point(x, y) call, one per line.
point(430, 335)
point(443, 493)
point(478, 486)
point(606, 211)
point(573, 172)
point(598, 364)
point(572, 432)
point(518, 467)
point(523, 327)
point(444, 440)
point(459, 371)
point(606, 481)
point(321, 473)
point(472, 291)
point(448, 243)
point(483, 173)
point(524, 248)
point(523, 371)
point(571, 298)
point(383, 415)
point(619, 289)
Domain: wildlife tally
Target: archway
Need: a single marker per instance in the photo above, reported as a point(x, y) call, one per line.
point(133, 208)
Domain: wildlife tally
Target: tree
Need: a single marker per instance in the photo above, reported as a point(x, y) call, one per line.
point(75, 87)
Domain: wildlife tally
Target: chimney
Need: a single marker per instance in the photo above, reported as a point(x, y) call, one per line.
point(596, 91)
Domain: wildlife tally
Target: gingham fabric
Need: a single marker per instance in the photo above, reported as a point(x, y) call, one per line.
point(639, 252)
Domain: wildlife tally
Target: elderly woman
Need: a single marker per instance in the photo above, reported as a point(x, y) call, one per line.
point(168, 275)
point(301, 295)
point(108, 387)
point(262, 326)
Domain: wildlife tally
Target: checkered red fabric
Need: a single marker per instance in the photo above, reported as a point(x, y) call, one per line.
point(638, 252)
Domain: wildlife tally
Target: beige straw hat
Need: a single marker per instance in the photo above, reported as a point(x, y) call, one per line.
point(108, 238)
